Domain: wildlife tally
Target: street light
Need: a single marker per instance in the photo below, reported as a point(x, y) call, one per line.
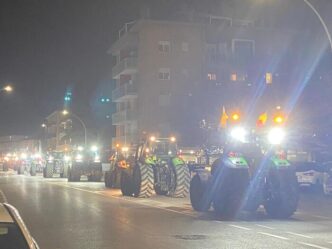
point(66, 112)
point(309, 4)
point(7, 89)
point(43, 125)
point(321, 21)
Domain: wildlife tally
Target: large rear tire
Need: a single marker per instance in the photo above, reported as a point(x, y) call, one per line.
point(110, 179)
point(74, 175)
point(33, 169)
point(48, 171)
point(200, 201)
point(20, 170)
point(143, 180)
point(182, 181)
point(96, 176)
point(64, 173)
point(126, 184)
point(282, 193)
point(229, 186)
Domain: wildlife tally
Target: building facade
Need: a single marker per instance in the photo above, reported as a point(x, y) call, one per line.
point(172, 74)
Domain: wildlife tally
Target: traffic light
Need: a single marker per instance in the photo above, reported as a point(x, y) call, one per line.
point(105, 100)
point(68, 96)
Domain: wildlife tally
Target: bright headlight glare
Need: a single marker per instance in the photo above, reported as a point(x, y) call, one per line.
point(79, 157)
point(239, 134)
point(276, 136)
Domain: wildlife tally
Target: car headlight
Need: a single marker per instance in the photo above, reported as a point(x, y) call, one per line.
point(239, 134)
point(276, 136)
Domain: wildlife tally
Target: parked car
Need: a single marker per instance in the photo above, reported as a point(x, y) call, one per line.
point(327, 181)
point(310, 174)
point(13, 232)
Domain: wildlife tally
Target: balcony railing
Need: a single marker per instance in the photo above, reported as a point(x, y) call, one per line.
point(124, 92)
point(124, 116)
point(126, 66)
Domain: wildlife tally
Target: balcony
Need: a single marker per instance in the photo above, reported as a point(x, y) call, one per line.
point(124, 117)
point(125, 140)
point(125, 66)
point(124, 93)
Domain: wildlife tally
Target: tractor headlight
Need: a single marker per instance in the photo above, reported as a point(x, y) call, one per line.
point(97, 159)
point(239, 134)
point(276, 136)
point(67, 158)
point(79, 158)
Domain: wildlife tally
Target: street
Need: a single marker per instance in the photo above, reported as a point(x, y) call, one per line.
point(87, 216)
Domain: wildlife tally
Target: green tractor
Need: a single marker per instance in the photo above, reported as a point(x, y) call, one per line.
point(85, 162)
point(155, 167)
point(56, 163)
point(248, 172)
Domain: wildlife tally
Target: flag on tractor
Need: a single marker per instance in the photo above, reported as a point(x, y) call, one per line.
point(262, 120)
point(223, 118)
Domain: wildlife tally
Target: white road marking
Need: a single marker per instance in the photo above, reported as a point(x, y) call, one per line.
point(240, 227)
point(301, 235)
point(124, 199)
point(271, 228)
point(321, 217)
point(313, 245)
point(274, 236)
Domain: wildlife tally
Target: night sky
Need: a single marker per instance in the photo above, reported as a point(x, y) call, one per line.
point(48, 46)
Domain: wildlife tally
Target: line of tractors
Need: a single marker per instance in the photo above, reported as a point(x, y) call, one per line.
point(240, 167)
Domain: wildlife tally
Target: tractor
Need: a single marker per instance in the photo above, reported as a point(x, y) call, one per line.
point(248, 170)
point(56, 163)
point(85, 162)
point(154, 167)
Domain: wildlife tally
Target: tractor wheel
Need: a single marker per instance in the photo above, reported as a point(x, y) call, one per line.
point(33, 170)
point(73, 175)
point(96, 176)
point(110, 179)
point(182, 181)
point(282, 193)
point(158, 191)
point(48, 171)
point(198, 194)
point(64, 173)
point(229, 187)
point(126, 184)
point(20, 170)
point(143, 179)
point(5, 167)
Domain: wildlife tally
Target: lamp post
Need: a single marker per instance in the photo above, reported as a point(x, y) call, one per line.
point(321, 21)
point(66, 112)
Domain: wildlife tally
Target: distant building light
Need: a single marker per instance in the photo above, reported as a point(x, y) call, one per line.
point(212, 76)
point(233, 77)
point(268, 78)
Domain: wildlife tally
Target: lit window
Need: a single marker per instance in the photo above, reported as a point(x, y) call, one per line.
point(164, 46)
point(212, 76)
point(233, 77)
point(164, 74)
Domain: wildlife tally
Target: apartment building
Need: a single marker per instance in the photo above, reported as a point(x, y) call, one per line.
point(171, 74)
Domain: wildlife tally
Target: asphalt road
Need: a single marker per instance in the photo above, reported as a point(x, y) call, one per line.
point(62, 215)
